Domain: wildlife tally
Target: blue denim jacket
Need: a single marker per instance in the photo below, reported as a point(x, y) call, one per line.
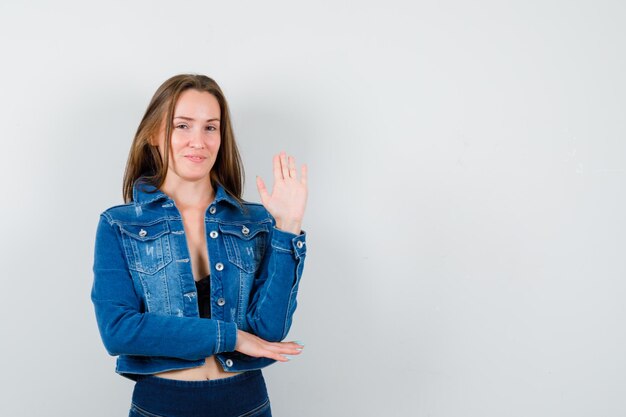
point(144, 293)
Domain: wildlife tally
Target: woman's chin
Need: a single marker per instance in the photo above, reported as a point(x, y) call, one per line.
point(193, 176)
point(196, 177)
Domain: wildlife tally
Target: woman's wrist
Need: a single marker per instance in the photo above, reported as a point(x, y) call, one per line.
point(238, 340)
point(293, 226)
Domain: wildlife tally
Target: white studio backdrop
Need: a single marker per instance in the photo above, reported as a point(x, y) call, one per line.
point(466, 210)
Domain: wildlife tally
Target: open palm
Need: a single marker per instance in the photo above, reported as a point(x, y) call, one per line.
point(289, 193)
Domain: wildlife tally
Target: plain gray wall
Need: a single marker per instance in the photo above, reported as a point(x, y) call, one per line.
point(466, 210)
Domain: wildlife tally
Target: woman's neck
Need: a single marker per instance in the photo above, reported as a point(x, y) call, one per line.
point(189, 194)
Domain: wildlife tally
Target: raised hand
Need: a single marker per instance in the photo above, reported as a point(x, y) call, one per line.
point(289, 193)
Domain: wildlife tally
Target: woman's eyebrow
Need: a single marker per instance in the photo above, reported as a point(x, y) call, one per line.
point(192, 119)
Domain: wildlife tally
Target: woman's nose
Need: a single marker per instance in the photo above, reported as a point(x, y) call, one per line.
point(196, 140)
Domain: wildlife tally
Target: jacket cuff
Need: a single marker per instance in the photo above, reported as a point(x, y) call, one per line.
point(289, 242)
point(227, 335)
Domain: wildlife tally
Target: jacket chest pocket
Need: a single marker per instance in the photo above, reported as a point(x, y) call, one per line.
point(147, 246)
point(245, 244)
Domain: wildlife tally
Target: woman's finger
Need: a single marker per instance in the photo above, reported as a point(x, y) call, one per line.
point(283, 163)
point(285, 350)
point(293, 172)
point(303, 177)
point(281, 358)
point(262, 190)
point(273, 354)
point(276, 347)
point(278, 173)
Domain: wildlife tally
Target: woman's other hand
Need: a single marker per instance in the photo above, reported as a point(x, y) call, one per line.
point(289, 193)
point(252, 345)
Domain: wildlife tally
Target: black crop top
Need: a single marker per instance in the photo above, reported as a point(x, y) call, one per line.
point(203, 287)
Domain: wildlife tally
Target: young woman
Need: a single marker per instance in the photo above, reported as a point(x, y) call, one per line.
point(194, 288)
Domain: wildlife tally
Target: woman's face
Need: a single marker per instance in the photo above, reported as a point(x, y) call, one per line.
point(195, 136)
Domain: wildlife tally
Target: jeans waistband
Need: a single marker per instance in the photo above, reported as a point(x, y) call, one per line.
point(156, 380)
point(233, 395)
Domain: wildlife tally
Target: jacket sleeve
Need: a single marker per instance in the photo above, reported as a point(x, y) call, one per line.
point(274, 291)
point(126, 329)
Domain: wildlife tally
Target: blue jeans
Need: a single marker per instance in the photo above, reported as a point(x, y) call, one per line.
point(240, 395)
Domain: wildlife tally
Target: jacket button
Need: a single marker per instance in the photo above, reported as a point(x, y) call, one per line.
point(142, 233)
point(300, 244)
point(221, 301)
point(219, 266)
point(212, 210)
point(213, 234)
point(245, 230)
point(229, 362)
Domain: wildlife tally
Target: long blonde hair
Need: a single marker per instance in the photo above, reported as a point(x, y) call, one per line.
point(144, 159)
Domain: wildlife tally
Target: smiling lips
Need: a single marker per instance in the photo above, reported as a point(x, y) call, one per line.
point(195, 158)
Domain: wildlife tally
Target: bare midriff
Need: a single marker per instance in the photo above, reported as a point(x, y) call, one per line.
point(210, 370)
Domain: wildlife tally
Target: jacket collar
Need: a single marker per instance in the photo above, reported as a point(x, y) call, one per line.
point(142, 194)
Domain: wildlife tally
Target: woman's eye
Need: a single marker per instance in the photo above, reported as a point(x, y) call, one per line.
point(211, 128)
point(182, 125)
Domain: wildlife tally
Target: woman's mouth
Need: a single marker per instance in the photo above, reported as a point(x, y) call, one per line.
point(193, 158)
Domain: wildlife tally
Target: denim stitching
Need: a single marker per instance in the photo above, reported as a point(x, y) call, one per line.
point(143, 412)
point(219, 336)
point(257, 241)
point(256, 410)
